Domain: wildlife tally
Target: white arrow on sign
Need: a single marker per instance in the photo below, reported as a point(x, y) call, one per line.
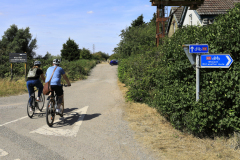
point(46, 130)
point(192, 48)
point(229, 60)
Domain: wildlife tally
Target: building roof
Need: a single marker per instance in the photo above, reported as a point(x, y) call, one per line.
point(215, 7)
point(178, 13)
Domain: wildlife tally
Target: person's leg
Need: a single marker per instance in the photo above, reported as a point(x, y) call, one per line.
point(59, 92)
point(30, 89)
point(39, 86)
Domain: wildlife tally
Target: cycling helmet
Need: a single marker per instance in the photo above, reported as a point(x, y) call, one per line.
point(37, 63)
point(56, 61)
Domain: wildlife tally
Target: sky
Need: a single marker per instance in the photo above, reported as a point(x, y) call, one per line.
point(88, 23)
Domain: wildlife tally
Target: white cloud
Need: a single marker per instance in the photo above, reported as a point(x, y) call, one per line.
point(90, 12)
point(147, 5)
point(1, 13)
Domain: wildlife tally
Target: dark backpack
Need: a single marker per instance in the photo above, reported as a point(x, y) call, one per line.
point(32, 73)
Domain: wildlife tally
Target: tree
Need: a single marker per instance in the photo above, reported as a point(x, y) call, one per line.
point(17, 40)
point(114, 56)
point(47, 56)
point(70, 50)
point(85, 53)
point(153, 20)
point(138, 22)
point(100, 56)
point(136, 39)
point(39, 57)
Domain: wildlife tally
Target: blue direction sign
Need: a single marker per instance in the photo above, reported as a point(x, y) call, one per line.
point(201, 48)
point(216, 61)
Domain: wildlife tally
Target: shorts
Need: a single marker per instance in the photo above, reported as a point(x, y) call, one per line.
point(58, 90)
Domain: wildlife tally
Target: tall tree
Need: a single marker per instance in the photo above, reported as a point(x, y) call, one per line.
point(17, 40)
point(70, 50)
point(135, 39)
point(138, 22)
point(153, 20)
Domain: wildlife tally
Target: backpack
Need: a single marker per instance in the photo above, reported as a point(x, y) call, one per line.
point(32, 73)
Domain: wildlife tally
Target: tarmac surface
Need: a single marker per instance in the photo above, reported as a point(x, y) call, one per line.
point(92, 127)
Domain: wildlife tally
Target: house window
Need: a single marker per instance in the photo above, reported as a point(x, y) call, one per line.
point(190, 19)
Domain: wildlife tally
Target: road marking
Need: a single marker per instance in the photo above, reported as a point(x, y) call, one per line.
point(13, 121)
point(46, 130)
point(3, 153)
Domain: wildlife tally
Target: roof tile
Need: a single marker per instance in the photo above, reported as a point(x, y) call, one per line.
point(215, 7)
point(178, 14)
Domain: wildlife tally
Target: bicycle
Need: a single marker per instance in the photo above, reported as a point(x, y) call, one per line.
point(35, 104)
point(51, 107)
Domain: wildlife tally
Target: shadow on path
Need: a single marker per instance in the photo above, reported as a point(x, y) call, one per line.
point(69, 121)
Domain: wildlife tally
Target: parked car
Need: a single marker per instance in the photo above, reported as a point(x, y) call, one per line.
point(113, 62)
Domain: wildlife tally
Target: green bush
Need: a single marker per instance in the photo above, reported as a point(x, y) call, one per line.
point(165, 79)
point(78, 69)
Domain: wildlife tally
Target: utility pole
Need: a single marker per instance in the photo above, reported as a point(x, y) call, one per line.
point(93, 48)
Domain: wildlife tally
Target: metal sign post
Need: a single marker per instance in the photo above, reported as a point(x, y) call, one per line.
point(194, 54)
point(197, 77)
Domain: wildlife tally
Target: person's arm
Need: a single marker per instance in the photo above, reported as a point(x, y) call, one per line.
point(66, 79)
point(43, 78)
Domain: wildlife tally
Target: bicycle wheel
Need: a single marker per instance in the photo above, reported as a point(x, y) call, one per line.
point(62, 109)
point(50, 113)
point(41, 102)
point(30, 107)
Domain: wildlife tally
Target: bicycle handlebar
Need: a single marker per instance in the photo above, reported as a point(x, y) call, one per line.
point(65, 85)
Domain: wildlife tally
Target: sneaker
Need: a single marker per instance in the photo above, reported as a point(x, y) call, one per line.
point(38, 100)
point(30, 109)
point(57, 110)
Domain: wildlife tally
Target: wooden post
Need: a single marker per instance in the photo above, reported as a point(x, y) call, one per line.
point(11, 71)
point(25, 71)
point(157, 27)
point(160, 19)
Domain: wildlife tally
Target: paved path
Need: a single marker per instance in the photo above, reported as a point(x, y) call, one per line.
point(92, 127)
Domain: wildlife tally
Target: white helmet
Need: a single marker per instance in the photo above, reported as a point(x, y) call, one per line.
point(56, 61)
point(37, 63)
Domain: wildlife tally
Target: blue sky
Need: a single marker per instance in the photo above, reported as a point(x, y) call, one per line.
point(52, 22)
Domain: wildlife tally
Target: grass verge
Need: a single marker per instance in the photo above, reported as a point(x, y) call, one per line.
point(157, 134)
point(15, 87)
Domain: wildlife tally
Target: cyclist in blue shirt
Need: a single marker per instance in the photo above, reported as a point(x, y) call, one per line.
point(56, 81)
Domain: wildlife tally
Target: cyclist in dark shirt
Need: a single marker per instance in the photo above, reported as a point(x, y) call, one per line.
point(33, 79)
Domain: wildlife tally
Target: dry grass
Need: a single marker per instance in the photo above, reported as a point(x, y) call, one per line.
point(158, 135)
point(14, 87)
